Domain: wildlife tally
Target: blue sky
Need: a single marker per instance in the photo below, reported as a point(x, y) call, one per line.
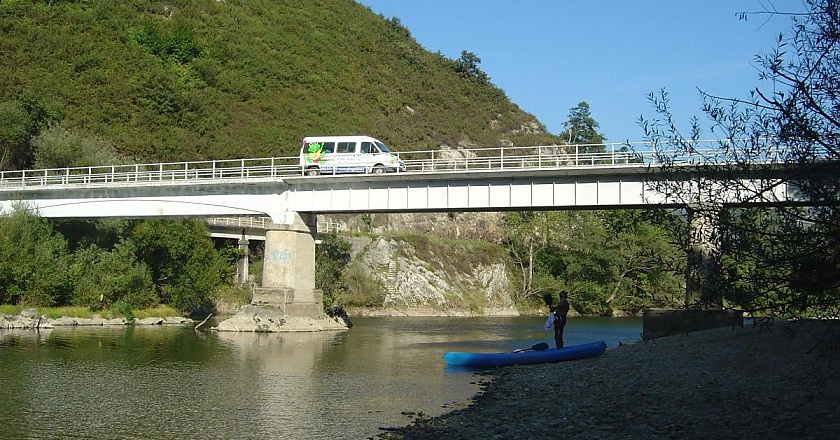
point(549, 55)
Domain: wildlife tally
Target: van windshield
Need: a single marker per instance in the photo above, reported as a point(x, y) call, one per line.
point(382, 147)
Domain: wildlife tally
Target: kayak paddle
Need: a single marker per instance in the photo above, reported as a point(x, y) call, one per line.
point(536, 347)
point(549, 300)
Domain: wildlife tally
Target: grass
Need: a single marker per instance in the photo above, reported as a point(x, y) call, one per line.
point(230, 298)
point(58, 312)
point(161, 311)
point(7, 309)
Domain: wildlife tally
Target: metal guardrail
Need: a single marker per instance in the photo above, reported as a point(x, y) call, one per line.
point(433, 161)
point(239, 222)
point(516, 158)
point(261, 223)
point(164, 173)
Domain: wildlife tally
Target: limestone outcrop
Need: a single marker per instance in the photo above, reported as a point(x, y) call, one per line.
point(429, 278)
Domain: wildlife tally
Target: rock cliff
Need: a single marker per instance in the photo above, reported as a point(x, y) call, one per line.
point(424, 275)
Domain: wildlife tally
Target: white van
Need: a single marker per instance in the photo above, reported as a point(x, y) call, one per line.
point(347, 154)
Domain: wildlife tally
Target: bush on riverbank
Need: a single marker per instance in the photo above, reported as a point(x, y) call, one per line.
point(110, 265)
point(228, 299)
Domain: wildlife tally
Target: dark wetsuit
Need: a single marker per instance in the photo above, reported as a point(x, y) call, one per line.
point(560, 321)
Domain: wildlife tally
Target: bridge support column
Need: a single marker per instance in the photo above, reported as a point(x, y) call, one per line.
point(289, 268)
point(703, 287)
point(702, 279)
point(242, 264)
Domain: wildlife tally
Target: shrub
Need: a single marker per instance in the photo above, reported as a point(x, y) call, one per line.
point(33, 261)
point(362, 289)
point(102, 278)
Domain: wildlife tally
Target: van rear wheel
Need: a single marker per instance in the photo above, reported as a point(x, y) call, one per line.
point(314, 171)
point(378, 169)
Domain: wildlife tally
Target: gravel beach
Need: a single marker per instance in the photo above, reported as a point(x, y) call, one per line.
point(769, 382)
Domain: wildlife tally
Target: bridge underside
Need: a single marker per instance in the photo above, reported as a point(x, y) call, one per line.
point(493, 192)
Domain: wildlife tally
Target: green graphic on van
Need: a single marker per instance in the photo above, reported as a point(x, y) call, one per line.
point(314, 152)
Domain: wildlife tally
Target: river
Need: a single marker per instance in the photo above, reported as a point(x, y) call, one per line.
point(177, 383)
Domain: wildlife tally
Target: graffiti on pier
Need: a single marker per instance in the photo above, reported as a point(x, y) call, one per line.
point(285, 257)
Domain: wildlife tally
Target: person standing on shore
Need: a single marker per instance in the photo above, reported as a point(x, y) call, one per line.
point(559, 321)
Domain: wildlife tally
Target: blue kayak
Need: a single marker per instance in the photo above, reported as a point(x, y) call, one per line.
point(570, 353)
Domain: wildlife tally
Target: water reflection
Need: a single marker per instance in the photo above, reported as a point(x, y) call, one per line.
point(174, 382)
point(290, 397)
point(121, 382)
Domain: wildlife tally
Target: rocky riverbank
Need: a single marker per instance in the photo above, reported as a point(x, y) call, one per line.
point(771, 382)
point(251, 318)
point(247, 319)
point(30, 319)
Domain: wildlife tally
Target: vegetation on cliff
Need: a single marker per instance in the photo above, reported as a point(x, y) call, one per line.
point(195, 79)
point(612, 263)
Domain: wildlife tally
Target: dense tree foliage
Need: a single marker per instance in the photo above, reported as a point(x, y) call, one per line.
point(33, 261)
point(103, 279)
point(609, 261)
point(120, 265)
point(527, 235)
point(332, 256)
point(778, 260)
point(58, 147)
point(467, 67)
point(182, 259)
point(21, 120)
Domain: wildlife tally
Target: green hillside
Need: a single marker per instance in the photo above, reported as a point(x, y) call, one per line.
point(204, 79)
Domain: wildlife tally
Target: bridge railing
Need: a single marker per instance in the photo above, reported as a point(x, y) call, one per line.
point(432, 161)
point(239, 222)
point(262, 223)
point(578, 155)
point(520, 158)
point(167, 172)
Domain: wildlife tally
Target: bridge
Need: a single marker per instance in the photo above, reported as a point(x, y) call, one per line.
point(486, 179)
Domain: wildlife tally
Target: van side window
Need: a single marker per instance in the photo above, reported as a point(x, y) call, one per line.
point(369, 147)
point(346, 147)
point(329, 147)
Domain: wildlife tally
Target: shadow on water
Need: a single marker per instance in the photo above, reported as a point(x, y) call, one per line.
point(174, 382)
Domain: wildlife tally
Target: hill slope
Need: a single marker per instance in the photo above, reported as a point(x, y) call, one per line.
point(202, 79)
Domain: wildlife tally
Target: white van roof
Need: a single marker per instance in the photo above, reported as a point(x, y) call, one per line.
point(355, 138)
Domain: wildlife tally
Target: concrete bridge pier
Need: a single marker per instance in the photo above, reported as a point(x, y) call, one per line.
point(703, 288)
point(703, 277)
point(289, 268)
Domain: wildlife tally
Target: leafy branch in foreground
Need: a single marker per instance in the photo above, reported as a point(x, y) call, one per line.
point(779, 259)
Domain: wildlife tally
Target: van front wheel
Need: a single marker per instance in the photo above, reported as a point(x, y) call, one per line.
point(314, 171)
point(379, 169)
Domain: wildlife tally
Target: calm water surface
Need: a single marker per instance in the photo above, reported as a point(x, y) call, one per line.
point(176, 383)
